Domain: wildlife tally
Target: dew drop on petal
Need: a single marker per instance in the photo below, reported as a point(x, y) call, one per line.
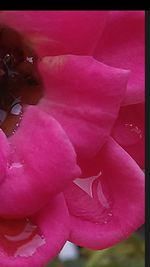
point(29, 59)
point(16, 109)
point(20, 82)
point(16, 165)
point(86, 184)
point(127, 133)
point(102, 198)
point(135, 130)
point(98, 191)
point(19, 237)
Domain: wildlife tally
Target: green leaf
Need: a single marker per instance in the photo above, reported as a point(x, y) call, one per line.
point(129, 253)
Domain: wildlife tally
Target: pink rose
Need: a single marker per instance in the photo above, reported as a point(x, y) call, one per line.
point(72, 131)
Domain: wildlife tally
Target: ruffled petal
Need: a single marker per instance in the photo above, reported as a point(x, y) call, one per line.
point(122, 46)
point(129, 131)
point(58, 32)
point(84, 96)
point(106, 208)
point(41, 239)
point(42, 162)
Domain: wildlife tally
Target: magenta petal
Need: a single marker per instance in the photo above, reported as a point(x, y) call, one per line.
point(74, 32)
point(43, 161)
point(53, 225)
point(108, 207)
point(84, 96)
point(129, 131)
point(122, 46)
point(4, 151)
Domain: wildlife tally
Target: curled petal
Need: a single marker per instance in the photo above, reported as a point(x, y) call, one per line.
point(122, 46)
point(58, 32)
point(84, 96)
point(43, 161)
point(106, 208)
point(41, 239)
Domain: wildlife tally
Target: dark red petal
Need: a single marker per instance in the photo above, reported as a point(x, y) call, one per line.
point(129, 131)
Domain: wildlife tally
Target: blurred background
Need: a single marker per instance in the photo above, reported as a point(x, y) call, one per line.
point(129, 253)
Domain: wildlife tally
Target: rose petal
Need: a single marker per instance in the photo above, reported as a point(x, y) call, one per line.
point(43, 161)
point(107, 208)
point(122, 46)
point(62, 31)
point(129, 131)
point(84, 96)
point(54, 232)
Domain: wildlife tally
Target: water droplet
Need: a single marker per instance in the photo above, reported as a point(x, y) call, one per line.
point(30, 248)
point(16, 109)
point(20, 82)
point(133, 128)
point(101, 196)
point(29, 228)
point(29, 59)
point(16, 165)
point(20, 237)
point(86, 184)
point(108, 217)
point(127, 133)
point(97, 189)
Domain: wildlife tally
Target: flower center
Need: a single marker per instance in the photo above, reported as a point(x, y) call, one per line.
point(20, 83)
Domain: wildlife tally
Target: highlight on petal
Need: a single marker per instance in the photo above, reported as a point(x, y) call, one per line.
point(106, 207)
point(84, 96)
point(129, 131)
point(122, 46)
point(42, 162)
point(36, 240)
point(74, 32)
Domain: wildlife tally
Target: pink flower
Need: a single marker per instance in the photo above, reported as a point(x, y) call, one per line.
point(72, 169)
